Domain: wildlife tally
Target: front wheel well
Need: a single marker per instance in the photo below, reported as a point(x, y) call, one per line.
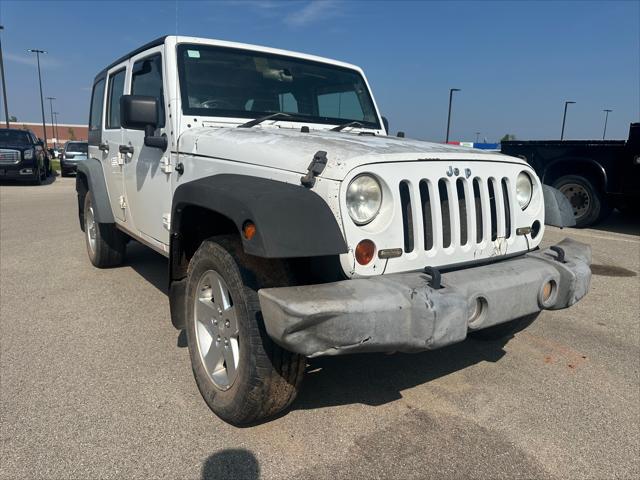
point(194, 225)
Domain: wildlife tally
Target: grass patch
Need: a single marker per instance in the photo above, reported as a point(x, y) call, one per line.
point(55, 164)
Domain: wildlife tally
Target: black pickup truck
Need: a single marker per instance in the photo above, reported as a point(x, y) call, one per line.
point(22, 156)
point(595, 175)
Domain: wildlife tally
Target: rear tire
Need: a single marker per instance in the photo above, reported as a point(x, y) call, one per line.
point(105, 243)
point(504, 330)
point(242, 374)
point(589, 205)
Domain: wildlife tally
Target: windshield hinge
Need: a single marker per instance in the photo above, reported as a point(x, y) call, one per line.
point(316, 167)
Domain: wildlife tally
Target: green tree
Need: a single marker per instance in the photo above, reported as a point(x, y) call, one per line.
point(507, 137)
point(72, 134)
point(13, 118)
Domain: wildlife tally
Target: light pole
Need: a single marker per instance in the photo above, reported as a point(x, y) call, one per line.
point(44, 126)
point(477, 137)
point(606, 117)
point(564, 118)
point(4, 85)
point(53, 127)
point(55, 124)
point(451, 90)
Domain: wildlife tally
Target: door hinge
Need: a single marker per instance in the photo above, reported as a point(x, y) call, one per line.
point(166, 221)
point(123, 202)
point(165, 165)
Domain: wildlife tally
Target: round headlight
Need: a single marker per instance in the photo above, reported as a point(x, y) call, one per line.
point(364, 198)
point(524, 189)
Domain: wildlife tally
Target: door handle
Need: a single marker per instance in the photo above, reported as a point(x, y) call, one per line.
point(104, 146)
point(126, 149)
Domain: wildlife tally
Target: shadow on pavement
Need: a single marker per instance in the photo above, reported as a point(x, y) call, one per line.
point(618, 222)
point(234, 463)
point(18, 183)
point(376, 379)
point(150, 265)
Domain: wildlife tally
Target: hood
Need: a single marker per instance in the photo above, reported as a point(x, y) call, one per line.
point(292, 150)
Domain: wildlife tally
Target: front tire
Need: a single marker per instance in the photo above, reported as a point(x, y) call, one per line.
point(589, 205)
point(241, 373)
point(105, 243)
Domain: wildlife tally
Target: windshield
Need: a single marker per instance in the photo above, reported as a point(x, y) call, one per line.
point(228, 82)
point(14, 137)
point(78, 147)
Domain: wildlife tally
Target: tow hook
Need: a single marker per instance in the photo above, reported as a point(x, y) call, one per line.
point(436, 277)
point(560, 252)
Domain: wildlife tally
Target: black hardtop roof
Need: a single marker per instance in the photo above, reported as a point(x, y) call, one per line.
point(146, 46)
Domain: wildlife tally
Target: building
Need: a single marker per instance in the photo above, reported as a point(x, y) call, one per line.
point(65, 131)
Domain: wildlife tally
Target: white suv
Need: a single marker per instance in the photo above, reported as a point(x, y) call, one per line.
point(295, 226)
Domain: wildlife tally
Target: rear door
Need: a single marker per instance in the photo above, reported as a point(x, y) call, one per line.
point(147, 178)
point(110, 156)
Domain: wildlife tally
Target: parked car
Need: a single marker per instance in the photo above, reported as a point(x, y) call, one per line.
point(595, 175)
point(72, 154)
point(22, 156)
point(296, 227)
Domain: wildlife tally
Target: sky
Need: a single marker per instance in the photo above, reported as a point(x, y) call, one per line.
point(515, 62)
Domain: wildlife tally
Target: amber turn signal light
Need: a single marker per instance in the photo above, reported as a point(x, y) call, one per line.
point(364, 251)
point(249, 230)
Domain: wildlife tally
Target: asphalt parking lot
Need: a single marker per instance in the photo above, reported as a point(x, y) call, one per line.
point(96, 383)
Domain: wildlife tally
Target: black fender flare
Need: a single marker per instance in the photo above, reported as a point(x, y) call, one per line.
point(91, 170)
point(565, 161)
point(291, 220)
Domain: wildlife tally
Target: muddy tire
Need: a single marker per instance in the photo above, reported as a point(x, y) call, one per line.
point(243, 376)
point(504, 330)
point(105, 243)
point(589, 205)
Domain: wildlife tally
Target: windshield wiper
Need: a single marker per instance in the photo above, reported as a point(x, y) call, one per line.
point(253, 123)
point(345, 125)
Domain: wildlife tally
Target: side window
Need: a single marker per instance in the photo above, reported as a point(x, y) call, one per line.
point(116, 89)
point(95, 115)
point(146, 79)
point(288, 103)
point(340, 105)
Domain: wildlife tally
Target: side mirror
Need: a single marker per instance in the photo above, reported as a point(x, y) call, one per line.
point(386, 124)
point(141, 112)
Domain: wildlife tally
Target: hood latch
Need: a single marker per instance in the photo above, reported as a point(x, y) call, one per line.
point(316, 167)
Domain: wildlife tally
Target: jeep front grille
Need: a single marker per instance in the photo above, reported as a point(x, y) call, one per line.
point(455, 212)
point(9, 157)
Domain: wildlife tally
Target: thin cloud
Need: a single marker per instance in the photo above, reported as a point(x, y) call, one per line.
point(30, 59)
point(311, 13)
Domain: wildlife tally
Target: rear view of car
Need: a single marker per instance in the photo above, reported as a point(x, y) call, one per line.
point(73, 153)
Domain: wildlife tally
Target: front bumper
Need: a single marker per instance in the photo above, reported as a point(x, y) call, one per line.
point(402, 312)
point(20, 171)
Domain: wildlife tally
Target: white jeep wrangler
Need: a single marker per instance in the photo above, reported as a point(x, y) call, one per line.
point(295, 226)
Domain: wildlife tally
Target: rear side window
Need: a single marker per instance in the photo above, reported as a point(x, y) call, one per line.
point(116, 89)
point(95, 117)
point(146, 79)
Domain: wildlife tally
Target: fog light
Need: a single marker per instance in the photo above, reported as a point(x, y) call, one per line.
point(364, 251)
point(26, 171)
point(547, 295)
point(479, 307)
